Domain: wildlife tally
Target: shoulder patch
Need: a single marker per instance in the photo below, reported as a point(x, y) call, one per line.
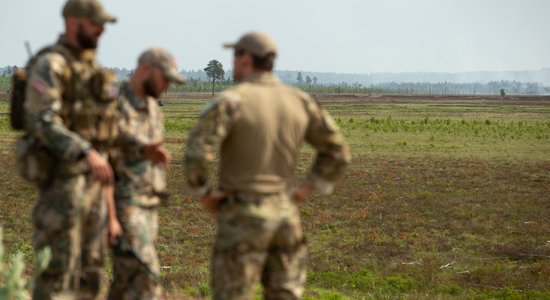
point(312, 106)
point(55, 61)
point(48, 65)
point(301, 93)
point(39, 85)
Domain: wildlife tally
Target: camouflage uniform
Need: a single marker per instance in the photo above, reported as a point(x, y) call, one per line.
point(69, 116)
point(140, 185)
point(260, 125)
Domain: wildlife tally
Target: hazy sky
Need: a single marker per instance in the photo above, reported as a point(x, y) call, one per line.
point(349, 36)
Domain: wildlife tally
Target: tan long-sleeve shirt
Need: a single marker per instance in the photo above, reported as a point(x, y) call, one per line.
point(259, 127)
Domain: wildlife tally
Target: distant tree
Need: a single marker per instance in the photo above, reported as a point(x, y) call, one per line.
point(314, 80)
point(308, 80)
point(502, 93)
point(288, 77)
point(214, 70)
point(299, 78)
point(8, 71)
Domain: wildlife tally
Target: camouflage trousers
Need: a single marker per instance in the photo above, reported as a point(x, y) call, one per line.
point(136, 270)
point(259, 238)
point(70, 219)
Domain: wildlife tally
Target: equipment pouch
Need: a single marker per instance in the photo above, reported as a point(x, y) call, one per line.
point(34, 162)
point(17, 99)
point(105, 89)
point(104, 85)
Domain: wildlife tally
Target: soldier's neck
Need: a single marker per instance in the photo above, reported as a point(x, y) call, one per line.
point(255, 75)
point(72, 42)
point(137, 88)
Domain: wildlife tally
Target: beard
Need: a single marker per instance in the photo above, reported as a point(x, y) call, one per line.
point(237, 76)
point(149, 87)
point(85, 40)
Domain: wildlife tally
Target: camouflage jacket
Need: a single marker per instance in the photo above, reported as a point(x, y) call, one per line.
point(259, 127)
point(138, 180)
point(64, 110)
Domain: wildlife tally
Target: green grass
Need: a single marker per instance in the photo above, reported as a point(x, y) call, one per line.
point(445, 198)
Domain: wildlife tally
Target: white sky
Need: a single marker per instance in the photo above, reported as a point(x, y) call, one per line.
point(348, 36)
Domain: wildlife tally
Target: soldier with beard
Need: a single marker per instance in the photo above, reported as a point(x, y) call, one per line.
point(140, 164)
point(71, 112)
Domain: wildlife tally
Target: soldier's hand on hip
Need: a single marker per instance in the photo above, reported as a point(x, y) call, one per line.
point(158, 154)
point(212, 200)
point(301, 192)
point(100, 168)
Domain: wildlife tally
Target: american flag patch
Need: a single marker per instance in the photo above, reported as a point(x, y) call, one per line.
point(40, 86)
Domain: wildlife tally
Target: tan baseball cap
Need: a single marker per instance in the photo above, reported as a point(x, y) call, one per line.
point(162, 59)
point(88, 8)
point(258, 43)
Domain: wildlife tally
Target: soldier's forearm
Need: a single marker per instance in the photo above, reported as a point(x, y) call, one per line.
point(324, 186)
point(131, 141)
point(196, 174)
point(197, 181)
point(62, 143)
point(328, 166)
point(108, 193)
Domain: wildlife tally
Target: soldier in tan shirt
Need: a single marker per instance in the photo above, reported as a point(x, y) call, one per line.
point(259, 126)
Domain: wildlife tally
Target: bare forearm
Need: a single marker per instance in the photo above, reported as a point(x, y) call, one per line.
point(110, 199)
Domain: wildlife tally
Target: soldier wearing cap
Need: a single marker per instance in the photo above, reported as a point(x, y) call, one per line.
point(70, 110)
point(258, 127)
point(140, 177)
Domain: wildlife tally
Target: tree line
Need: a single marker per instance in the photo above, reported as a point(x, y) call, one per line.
point(213, 78)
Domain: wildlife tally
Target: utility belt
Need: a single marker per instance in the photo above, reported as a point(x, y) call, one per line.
point(143, 195)
point(249, 198)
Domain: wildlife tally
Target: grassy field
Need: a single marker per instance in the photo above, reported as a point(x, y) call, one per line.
point(445, 198)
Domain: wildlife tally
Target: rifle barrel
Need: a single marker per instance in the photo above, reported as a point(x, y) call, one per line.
point(28, 47)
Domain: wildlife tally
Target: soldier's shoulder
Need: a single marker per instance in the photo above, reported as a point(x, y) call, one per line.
point(240, 88)
point(296, 92)
point(49, 61)
point(231, 97)
point(309, 101)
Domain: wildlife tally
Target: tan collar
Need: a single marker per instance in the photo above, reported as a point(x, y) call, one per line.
point(264, 78)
